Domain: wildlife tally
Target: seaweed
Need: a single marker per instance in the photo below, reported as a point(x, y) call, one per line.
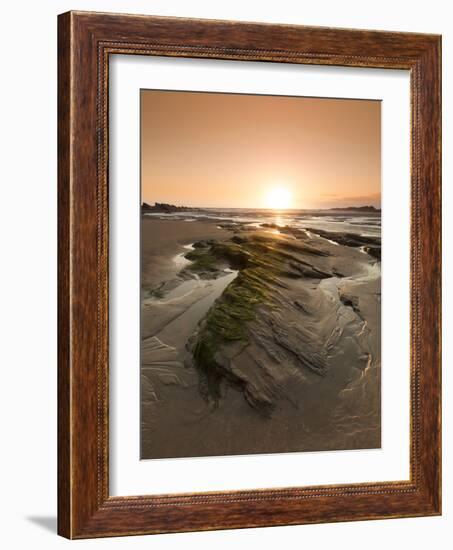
point(201, 259)
point(226, 323)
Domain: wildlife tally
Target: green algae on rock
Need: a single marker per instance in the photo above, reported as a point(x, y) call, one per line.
point(263, 263)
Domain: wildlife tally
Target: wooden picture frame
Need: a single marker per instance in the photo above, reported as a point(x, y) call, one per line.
point(85, 42)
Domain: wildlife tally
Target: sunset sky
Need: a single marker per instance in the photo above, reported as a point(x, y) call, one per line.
point(249, 151)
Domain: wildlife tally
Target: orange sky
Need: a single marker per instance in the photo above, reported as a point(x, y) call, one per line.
point(232, 150)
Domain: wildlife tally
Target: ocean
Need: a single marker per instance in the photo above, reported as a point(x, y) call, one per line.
point(366, 223)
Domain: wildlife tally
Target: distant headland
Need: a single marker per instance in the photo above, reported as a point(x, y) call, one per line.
point(164, 208)
point(358, 208)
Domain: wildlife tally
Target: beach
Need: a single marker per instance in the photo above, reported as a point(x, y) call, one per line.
point(259, 336)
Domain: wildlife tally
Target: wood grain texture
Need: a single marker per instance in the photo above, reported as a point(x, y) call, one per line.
point(86, 40)
point(64, 366)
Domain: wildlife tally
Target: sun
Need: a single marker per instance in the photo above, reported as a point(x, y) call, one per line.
point(278, 198)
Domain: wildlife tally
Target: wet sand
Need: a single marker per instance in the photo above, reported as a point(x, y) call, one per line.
point(304, 375)
point(162, 239)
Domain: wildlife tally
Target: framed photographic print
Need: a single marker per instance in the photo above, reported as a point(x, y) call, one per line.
point(249, 275)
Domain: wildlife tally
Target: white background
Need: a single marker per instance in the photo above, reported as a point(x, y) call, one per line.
point(28, 287)
point(128, 475)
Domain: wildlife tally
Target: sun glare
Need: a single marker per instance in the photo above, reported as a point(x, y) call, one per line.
point(278, 198)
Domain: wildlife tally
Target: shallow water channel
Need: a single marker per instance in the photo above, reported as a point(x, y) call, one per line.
point(199, 295)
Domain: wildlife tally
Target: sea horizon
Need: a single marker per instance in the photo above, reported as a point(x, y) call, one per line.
point(351, 220)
